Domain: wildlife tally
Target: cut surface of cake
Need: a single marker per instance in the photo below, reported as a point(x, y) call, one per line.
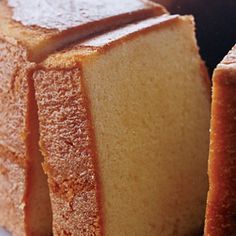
point(221, 205)
point(122, 117)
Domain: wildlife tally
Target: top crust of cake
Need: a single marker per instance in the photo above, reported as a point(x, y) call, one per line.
point(225, 72)
point(63, 15)
point(89, 47)
point(51, 27)
point(229, 62)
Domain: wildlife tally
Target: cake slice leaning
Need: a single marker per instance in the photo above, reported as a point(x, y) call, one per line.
point(26, 37)
point(124, 122)
point(221, 204)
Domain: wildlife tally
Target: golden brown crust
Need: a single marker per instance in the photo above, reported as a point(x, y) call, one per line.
point(12, 188)
point(69, 150)
point(221, 204)
point(13, 92)
point(13, 110)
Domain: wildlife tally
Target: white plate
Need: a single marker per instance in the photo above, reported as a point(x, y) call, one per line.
point(3, 232)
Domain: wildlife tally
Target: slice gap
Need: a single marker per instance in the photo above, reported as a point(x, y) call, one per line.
point(38, 210)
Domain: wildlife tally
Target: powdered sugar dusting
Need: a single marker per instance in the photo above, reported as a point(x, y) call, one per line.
point(64, 14)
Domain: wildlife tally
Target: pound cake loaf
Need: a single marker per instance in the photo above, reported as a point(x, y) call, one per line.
point(221, 205)
point(113, 99)
point(24, 198)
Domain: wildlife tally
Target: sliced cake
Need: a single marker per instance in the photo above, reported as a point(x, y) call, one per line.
point(24, 196)
point(122, 116)
point(124, 121)
point(221, 204)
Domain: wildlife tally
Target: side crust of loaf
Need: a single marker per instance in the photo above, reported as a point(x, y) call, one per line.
point(221, 205)
point(13, 103)
point(70, 155)
point(19, 157)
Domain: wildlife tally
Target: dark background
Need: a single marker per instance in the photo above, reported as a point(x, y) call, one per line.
point(216, 25)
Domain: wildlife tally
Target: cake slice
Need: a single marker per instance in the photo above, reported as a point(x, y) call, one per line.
point(221, 205)
point(25, 40)
point(124, 122)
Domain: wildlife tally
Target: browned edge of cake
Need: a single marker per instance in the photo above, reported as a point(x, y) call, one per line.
point(221, 205)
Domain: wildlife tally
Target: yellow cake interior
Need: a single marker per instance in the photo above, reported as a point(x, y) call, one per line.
point(150, 111)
